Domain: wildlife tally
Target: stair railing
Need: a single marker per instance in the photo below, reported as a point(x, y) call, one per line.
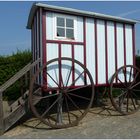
point(18, 76)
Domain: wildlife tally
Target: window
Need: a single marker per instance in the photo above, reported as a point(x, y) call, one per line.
point(65, 27)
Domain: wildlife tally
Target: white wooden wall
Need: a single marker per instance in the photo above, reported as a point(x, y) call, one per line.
point(98, 67)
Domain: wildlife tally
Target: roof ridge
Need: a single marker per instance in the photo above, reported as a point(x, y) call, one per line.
point(75, 12)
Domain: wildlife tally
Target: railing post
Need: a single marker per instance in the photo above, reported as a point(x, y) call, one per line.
point(1, 115)
point(21, 87)
point(26, 80)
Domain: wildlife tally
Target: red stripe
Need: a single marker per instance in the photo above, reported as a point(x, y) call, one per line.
point(44, 45)
point(59, 63)
point(84, 38)
point(37, 42)
point(73, 71)
point(39, 32)
point(33, 42)
point(133, 41)
point(34, 53)
point(96, 51)
point(65, 42)
point(36, 37)
point(124, 38)
point(106, 51)
point(116, 53)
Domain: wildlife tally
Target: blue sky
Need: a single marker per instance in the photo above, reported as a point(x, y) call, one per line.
point(14, 16)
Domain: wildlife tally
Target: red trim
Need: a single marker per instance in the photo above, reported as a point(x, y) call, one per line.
point(96, 51)
point(103, 85)
point(34, 57)
point(124, 38)
point(44, 88)
point(36, 46)
point(59, 56)
point(116, 53)
point(106, 51)
point(36, 36)
point(73, 73)
point(32, 42)
point(39, 32)
point(65, 42)
point(44, 44)
point(133, 41)
point(84, 38)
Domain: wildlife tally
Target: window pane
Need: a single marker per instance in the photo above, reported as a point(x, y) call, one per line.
point(60, 21)
point(69, 33)
point(69, 23)
point(61, 32)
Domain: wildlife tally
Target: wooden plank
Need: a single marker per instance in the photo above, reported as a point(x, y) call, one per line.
point(14, 105)
point(21, 86)
point(18, 111)
point(1, 115)
point(18, 75)
point(26, 80)
point(14, 116)
point(15, 77)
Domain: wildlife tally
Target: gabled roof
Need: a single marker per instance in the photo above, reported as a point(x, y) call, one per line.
point(74, 12)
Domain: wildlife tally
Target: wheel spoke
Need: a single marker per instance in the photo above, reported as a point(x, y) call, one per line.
point(134, 94)
point(50, 106)
point(61, 81)
point(56, 75)
point(68, 77)
point(79, 96)
point(117, 88)
point(130, 74)
point(132, 101)
point(134, 79)
point(121, 94)
point(77, 79)
point(121, 82)
point(74, 103)
point(135, 85)
point(123, 99)
point(67, 106)
point(124, 72)
point(39, 97)
point(53, 79)
point(71, 90)
point(137, 90)
point(74, 81)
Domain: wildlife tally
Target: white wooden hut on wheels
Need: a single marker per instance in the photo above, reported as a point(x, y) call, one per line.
point(80, 50)
point(101, 42)
point(73, 53)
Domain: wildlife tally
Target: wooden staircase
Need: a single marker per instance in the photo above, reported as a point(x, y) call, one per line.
point(19, 107)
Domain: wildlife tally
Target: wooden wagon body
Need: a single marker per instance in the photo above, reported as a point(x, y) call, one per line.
point(101, 42)
point(74, 52)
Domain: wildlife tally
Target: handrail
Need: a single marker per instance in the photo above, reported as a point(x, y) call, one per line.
point(18, 75)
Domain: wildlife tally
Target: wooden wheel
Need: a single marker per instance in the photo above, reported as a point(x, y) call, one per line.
point(67, 98)
point(125, 95)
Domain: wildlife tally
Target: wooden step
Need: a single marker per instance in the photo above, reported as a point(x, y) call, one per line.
point(18, 111)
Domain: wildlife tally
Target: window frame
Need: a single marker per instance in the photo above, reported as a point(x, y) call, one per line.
point(65, 28)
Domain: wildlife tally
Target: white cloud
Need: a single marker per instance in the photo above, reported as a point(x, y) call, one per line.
point(129, 13)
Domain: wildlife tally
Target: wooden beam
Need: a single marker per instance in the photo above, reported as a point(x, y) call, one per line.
point(18, 75)
point(1, 115)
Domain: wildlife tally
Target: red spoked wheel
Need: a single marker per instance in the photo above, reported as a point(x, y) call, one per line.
point(125, 89)
point(67, 97)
